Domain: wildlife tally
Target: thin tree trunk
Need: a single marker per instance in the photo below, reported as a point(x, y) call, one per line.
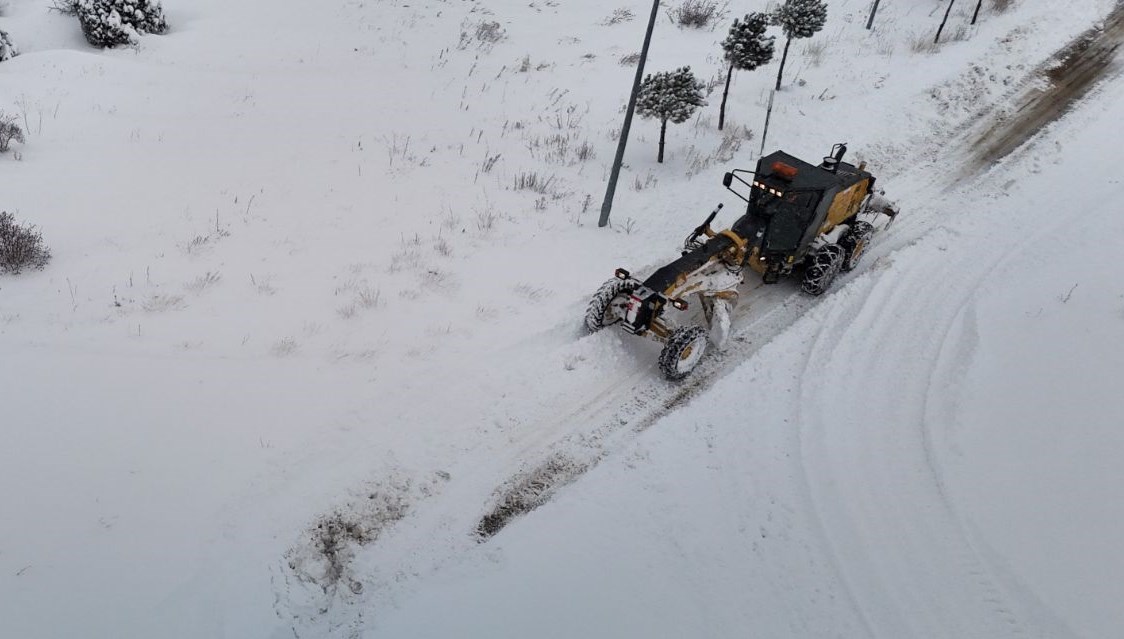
point(874, 10)
point(663, 134)
point(947, 11)
point(780, 72)
point(722, 110)
point(976, 14)
point(614, 174)
point(765, 131)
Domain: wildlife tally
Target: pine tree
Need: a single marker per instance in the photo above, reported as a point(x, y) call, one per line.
point(8, 49)
point(798, 19)
point(747, 47)
point(669, 96)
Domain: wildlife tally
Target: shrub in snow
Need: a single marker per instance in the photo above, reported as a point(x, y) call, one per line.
point(65, 7)
point(746, 48)
point(8, 50)
point(9, 131)
point(798, 19)
point(21, 246)
point(695, 13)
point(669, 96)
point(490, 32)
point(108, 23)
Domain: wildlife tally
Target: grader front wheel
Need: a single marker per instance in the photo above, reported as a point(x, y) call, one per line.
point(601, 311)
point(682, 352)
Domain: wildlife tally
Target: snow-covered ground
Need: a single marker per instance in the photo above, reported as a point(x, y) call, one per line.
point(303, 330)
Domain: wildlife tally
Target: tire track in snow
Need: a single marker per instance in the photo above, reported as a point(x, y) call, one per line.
point(939, 349)
point(805, 487)
point(892, 548)
point(641, 403)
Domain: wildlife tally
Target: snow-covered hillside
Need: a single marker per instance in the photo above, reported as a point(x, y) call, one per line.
point(314, 314)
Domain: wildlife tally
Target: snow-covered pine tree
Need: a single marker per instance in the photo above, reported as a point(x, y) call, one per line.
point(747, 47)
point(8, 49)
point(798, 19)
point(108, 23)
point(669, 96)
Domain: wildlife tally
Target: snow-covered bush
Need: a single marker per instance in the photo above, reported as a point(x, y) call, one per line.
point(8, 49)
point(669, 96)
point(9, 131)
point(21, 246)
point(108, 23)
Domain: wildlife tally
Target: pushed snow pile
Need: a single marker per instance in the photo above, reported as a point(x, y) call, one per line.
point(108, 23)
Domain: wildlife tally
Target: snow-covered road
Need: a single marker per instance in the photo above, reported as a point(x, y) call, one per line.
point(304, 333)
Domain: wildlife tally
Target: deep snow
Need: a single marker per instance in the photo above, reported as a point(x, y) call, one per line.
point(289, 282)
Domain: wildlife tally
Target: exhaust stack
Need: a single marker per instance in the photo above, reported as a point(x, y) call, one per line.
point(831, 162)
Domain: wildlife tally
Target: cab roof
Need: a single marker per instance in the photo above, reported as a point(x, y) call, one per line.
point(807, 176)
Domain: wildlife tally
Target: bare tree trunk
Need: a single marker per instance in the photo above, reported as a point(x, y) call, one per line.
point(874, 10)
point(663, 134)
point(765, 131)
point(943, 21)
point(780, 72)
point(976, 13)
point(614, 174)
point(722, 110)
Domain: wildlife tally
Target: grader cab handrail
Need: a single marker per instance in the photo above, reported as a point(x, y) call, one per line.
point(728, 180)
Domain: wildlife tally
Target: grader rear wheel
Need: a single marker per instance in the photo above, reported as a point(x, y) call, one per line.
point(823, 266)
point(854, 244)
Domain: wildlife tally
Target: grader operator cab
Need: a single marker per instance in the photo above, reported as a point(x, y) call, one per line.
point(799, 217)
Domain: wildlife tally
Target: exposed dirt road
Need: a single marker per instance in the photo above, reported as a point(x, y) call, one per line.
point(1053, 88)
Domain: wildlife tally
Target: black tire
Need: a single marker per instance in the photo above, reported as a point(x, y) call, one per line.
point(854, 244)
point(682, 352)
point(598, 313)
point(823, 266)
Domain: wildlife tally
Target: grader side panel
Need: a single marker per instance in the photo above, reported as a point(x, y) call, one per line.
point(846, 204)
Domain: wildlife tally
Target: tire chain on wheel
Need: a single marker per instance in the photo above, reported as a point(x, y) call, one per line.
point(671, 354)
point(825, 265)
point(858, 237)
point(602, 300)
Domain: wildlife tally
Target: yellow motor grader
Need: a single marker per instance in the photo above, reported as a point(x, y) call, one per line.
point(799, 218)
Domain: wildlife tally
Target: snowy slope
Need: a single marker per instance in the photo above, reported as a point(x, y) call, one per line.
point(930, 452)
point(296, 283)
